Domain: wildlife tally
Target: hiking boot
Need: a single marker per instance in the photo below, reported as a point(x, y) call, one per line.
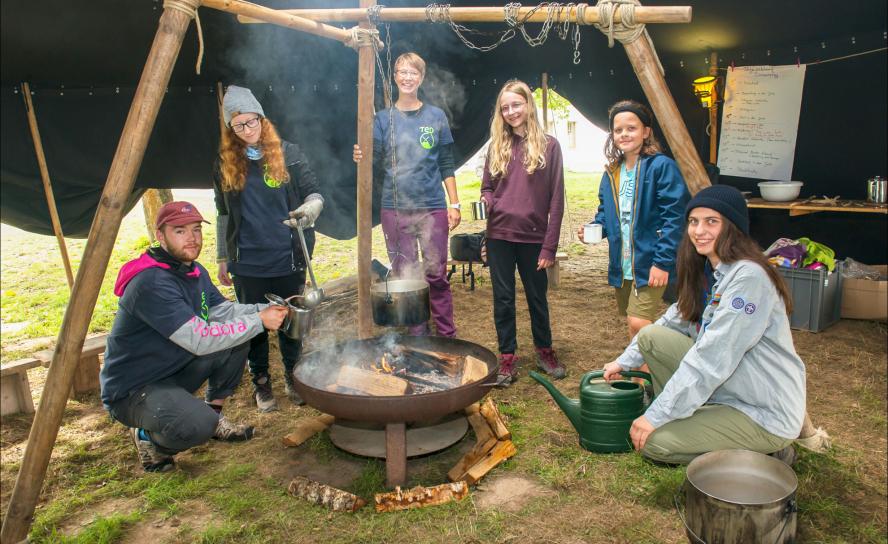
point(508, 370)
point(788, 455)
point(290, 389)
point(151, 459)
point(232, 432)
point(263, 395)
point(548, 363)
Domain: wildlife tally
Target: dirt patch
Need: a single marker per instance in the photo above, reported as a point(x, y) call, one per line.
point(508, 493)
point(117, 505)
point(193, 518)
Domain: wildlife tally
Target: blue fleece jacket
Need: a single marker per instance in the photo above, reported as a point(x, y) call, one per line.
point(657, 222)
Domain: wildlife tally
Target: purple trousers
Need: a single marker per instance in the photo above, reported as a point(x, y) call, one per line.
point(403, 229)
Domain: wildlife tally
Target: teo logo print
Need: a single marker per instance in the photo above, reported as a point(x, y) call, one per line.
point(427, 137)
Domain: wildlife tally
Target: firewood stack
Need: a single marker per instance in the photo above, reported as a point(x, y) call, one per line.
point(493, 445)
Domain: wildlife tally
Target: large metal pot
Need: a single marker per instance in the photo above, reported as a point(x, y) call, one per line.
point(399, 303)
point(739, 496)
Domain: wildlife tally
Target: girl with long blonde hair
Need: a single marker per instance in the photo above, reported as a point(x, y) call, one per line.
point(523, 186)
point(260, 182)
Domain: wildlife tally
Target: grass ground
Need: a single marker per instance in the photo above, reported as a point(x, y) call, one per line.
point(551, 491)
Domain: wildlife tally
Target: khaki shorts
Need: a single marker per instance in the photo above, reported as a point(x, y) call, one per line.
point(643, 302)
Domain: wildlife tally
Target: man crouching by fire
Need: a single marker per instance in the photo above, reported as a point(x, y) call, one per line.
point(174, 331)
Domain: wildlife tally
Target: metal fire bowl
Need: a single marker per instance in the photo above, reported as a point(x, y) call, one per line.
point(311, 384)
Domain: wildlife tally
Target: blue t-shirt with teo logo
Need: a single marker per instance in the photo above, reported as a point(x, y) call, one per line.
point(419, 136)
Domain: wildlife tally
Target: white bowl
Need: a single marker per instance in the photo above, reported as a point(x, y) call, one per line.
point(780, 191)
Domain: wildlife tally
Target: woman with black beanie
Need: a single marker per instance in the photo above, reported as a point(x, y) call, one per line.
point(725, 372)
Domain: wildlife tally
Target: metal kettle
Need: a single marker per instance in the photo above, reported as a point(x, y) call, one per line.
point(605, 411)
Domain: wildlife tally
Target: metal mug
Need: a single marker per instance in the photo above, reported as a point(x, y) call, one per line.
point(479, 210)
point(298, 322)
point(876, 190)
point(592, 233)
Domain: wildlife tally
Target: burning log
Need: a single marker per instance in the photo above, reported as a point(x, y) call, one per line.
point(420, 497)
point(474, 369)
point(324, 495)
point(371, 383)
point(448, 363)
point(492, 415)
point(306, 428)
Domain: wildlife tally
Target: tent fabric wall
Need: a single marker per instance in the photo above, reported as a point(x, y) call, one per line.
point(308, 87)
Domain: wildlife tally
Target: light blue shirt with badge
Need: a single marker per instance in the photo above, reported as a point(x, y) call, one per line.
point(743, 355)
point(418, 137)
point(627, 203)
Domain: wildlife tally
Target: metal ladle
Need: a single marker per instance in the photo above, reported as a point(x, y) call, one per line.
point(313, 295)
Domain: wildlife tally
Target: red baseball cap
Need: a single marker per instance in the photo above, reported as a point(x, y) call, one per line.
point(177, 214)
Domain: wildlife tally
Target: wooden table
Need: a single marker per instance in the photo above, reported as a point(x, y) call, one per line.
point(804, 207)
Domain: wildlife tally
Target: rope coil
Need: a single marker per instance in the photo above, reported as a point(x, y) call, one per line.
point(363, 37)
point(189, 7)
point(627, 30)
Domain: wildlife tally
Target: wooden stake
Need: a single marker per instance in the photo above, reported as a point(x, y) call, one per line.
point(306, 428)
point(545, 86)
point(118, 187)
point(713, 111)
point(325, 495)
point(47, 184)
point(420, 497)
point(492, 415)
point(366, 85)
point(643, 14)
point(654, 85)
point(152, 200)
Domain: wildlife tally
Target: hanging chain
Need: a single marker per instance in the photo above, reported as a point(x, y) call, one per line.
point(557, 16)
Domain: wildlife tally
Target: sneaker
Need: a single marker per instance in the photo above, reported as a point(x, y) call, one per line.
point(549, 364)
point(151, 459)
point(292, 394)
point(232, 432)
point(508, 370)
point(263, 395)
point(788, 455)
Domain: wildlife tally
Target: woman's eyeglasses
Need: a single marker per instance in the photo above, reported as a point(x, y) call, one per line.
point(515, 106)
point(251, 123)
point(408, 74)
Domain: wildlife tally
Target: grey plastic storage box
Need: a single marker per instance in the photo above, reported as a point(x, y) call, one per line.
point(816, 296)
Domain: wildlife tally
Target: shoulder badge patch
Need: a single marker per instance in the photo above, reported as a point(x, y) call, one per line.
point(737, 303)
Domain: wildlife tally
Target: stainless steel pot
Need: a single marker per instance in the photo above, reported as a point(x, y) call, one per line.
point(298, 322)
point(876, 190)
point(739, 496)
point(397, 303)
point(479, 210)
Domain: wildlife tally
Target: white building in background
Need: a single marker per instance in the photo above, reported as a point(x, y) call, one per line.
point(582, 144)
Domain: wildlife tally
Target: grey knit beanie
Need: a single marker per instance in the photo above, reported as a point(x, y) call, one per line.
point(239, 100)
point(724, 199)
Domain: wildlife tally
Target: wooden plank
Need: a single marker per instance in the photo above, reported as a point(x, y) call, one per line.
point(21, 365)
point(803, 207)
point(473, 408)
point(306, 428)
point(474, 369)
point(492, 415)
point(364, 197)
point(395, 454)
point(502, 451)
point(483, 430)
point(420, 497)
point(325, 495)
point(15, 394)
point(94, 345)
point(86, 377)
point(371, 383)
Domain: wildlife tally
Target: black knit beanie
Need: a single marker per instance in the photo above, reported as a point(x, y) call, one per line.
point(724, 199)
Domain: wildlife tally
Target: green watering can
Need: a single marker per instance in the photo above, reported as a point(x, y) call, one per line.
point(605, 411)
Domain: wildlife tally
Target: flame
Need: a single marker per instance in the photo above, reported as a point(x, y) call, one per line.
point(383, 366)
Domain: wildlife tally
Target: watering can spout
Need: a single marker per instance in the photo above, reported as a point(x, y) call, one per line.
point(570, 407)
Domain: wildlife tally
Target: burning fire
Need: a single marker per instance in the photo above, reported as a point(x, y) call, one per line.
point(383, 366)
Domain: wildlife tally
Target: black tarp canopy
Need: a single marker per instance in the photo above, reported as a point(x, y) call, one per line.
point(83, 61)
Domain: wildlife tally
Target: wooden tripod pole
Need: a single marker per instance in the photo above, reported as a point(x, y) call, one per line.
point(121, 177)
point(366, 85)
point(641, 55)
point(47, 184)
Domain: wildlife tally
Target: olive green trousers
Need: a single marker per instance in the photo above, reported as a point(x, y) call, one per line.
point(712, 427)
